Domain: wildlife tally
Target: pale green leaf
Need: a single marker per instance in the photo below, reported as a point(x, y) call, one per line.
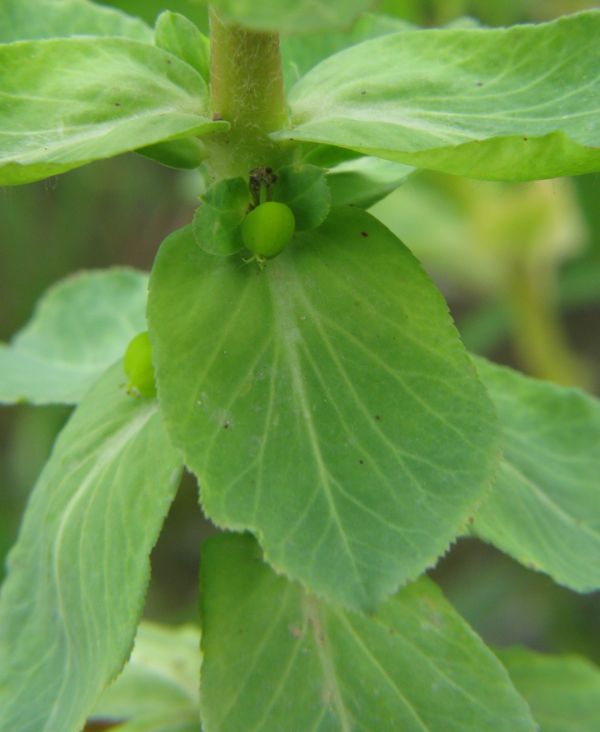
point(301, 52)
point(78, 573)
point(364, 181)
point(291, 16)
point(325, 402)
point(507, 104)
point(562, 691)
point(22, 20)
point(545, 509)
point(178, 35)
point(161, 679)
point(81, 326)
point(276, 658)
point(67, 102)
point(218, 218)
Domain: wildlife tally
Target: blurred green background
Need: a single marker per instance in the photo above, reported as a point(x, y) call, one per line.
point(519, 264)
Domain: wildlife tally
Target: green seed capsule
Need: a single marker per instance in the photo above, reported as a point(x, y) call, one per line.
point(138, 365)
point(268, 229)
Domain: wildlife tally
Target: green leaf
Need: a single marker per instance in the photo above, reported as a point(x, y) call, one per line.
point(325, 403)
point(78, 573)
point(218, 218)
point(66, 102)
point(304, 189)
point(544, 510)
point(22, 20)
point(185, 154)
point(81, 326)
point(508, 104)
point(291, 16)
point(178, 35)
point(276, 658)
point(562, 691)
point(301, 52)
point(364, 181)
point(160, 681)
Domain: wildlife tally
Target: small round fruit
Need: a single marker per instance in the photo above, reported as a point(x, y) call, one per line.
point(268, 228)
point(138, 365)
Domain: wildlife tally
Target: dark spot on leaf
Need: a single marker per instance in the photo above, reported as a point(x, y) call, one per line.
point(217, 117)
point(168, 61)
point(378, 417)
point(117, 104)
point(226, 426)
point(525, 139)
point(479, 83)
point(363, 92)
point(363, 233)
point(470, 520)
point(361, 462)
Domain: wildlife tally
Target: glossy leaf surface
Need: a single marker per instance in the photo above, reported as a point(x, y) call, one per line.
point(67, 102)
point(562, 691)
point(291, 16)
point(81, 326)
point(482, 103)
point(276, 658)
point(77, 575)
point(544, 509)
point(325, 402)
point(22, 20)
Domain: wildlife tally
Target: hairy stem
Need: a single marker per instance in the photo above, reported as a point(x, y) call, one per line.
point(247, 91)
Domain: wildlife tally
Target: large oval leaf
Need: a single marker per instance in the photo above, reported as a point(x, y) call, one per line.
point(325, 403)
point(275, 658)
point(22, 20)
point(78, 573)
point(80, 327)
point(66, 102)
point(509, 104)
point(544, 510)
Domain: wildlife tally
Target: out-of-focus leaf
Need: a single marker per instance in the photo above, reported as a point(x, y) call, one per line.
point(562, 691)
point(544, 510)
point(277, 658)
point(291, 16)
point(160, 681)
point(22, 20)
point(81, 326)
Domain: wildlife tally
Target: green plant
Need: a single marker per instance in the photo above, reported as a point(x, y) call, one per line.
point(324, 400)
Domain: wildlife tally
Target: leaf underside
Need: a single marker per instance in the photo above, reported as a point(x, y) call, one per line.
point(77, 576)
point(491, 104)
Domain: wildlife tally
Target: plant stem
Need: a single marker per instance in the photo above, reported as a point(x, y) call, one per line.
point(247, 91)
